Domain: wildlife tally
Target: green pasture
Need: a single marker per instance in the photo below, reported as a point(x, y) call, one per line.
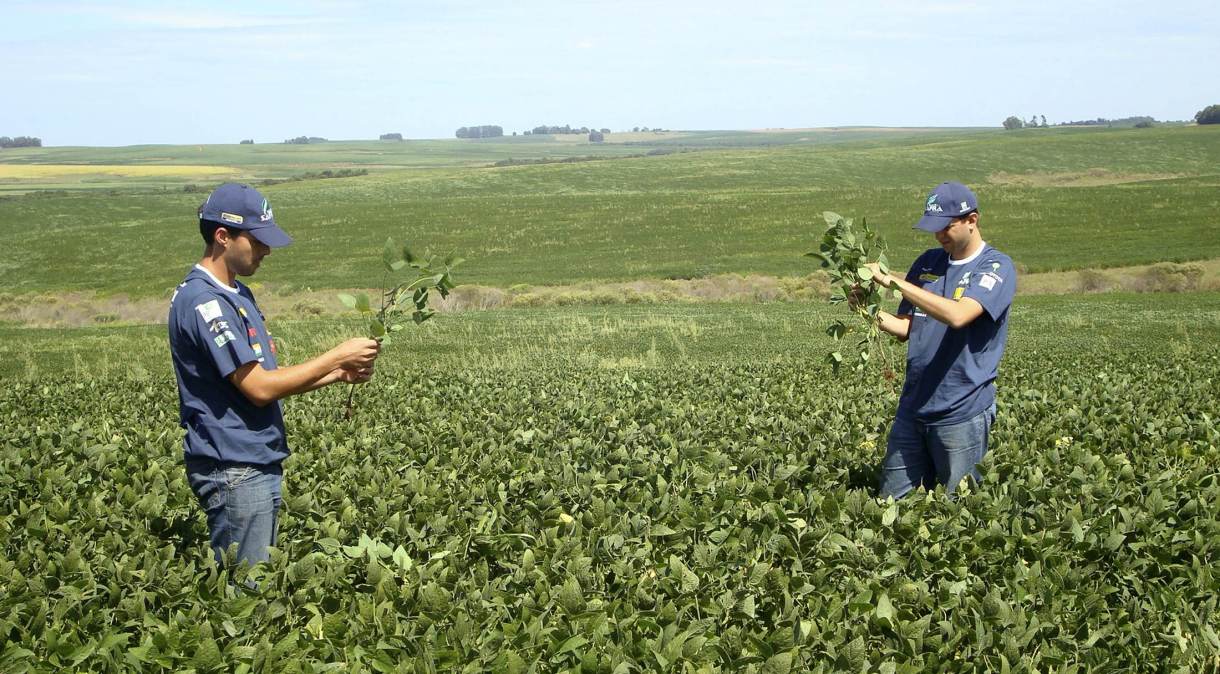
point(1055, 199)
point(58, 168)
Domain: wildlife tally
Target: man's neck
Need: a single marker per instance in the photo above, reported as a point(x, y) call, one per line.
point(973, 247)
point(219, 270)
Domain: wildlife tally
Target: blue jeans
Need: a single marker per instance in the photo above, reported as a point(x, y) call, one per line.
point(921, 455)
point(242, 503)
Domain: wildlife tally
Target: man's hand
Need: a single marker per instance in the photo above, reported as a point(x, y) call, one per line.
point(857, 297)
point(879, 277)
point(357, 354)
point(354, 376)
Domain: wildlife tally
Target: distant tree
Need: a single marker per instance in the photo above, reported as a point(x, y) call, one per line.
point(485, 131)
point(596, 137)
point(1013, 122)
point(605, 130)
point(1044, 124)
point(514, 133)
point(635, 129)
point(1208, 115)
point(390, 136)
point(305, 140)
point(248, 141)
point(20, 141)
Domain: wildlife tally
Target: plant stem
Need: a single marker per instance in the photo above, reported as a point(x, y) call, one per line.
point(347, 412)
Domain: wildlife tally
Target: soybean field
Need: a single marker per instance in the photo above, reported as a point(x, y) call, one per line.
point(643, 485)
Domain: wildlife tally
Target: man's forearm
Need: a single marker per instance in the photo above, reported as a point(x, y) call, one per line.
point(950, 312)
point(263, 386)
point(898, 326)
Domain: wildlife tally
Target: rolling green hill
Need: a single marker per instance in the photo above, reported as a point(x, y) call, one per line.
point(1054, 199)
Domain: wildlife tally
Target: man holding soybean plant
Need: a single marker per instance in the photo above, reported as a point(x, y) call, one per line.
point(954, 317)
point(229, 384)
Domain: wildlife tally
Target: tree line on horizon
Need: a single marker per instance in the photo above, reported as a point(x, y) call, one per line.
point(1208, 115)
point(20, 141)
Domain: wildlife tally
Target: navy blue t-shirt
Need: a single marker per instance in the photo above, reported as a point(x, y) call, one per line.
point(214, 330)
point(951, 373)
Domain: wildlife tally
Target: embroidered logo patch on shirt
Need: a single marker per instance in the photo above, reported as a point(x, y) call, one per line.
point(210, 311)
point(987, 281)
point(957, 293)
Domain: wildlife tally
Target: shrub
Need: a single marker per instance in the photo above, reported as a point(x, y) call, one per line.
point(1092, 281)
point(1168, 277)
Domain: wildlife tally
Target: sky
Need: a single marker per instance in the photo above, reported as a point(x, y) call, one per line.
point(124, 73)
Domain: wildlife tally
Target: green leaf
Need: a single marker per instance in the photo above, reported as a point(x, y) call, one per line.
point(831, 218)
point(571, 644)
point(865, 273)
point(780, 663)
point(362, 303)
point(348, 300)
point(885, 609)
point(687, 579)
point(389, 254)
point(890, 514)
point(426, 282)
point(376, 328)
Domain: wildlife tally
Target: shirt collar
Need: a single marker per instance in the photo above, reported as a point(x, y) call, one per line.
point(214, 279)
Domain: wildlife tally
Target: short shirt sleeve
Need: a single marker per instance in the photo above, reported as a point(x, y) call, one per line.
point(220, 331)
point(993, 284)
point(905, 307)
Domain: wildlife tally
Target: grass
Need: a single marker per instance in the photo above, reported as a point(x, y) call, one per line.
point(753, 210)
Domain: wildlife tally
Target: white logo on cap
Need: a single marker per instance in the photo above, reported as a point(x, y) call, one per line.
point(965, 207)
point(932, 206)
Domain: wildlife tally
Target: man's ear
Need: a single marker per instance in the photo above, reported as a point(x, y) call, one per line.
point(221, 237)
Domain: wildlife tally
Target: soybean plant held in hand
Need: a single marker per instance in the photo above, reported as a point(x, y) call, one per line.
point(408, 297)
point(844, 252)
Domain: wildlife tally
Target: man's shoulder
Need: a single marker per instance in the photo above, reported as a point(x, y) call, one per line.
point(198, 295)
point(992, 257)
point(193, 291)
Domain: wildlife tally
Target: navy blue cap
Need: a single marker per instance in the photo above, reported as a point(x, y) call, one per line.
point(239, 206)
point(945, 204)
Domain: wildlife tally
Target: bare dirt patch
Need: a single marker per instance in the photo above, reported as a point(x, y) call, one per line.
point(77, 309)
